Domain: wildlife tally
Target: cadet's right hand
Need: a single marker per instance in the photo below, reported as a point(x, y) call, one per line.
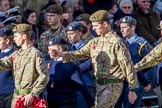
point(132, 97)
point(28, 99)
point(58, 53)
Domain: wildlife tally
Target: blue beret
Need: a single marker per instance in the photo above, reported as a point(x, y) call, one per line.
point(56, 41)
point(129, 20)
point(74, 26)
point(6, 32)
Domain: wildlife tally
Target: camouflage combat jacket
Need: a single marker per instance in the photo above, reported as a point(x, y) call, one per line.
point(29, 69)
point(110, 58)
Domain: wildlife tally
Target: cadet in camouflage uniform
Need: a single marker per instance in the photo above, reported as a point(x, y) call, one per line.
point(54, 16)
point(111, 62)
point(29, 70)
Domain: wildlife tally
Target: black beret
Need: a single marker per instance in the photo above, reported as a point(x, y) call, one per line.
point(56, 41)
point(6, 32)
point(54, 9)
point(83, 17)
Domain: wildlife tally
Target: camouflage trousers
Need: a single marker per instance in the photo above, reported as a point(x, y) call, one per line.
point(107, 95)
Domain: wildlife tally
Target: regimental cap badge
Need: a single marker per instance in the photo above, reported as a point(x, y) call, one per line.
point(70, 28)
point(50, 42)
point(123, 20)
point(92, 19)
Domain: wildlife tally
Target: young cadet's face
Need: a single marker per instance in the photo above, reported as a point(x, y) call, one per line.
point(98, 27)
point(126, 30)
point(53, 18)
point(73, 36)
point(52, 49)
point(3, 43)
point(18, 38)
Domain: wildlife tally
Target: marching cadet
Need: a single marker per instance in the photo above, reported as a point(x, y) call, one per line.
point(6, 77)
point(111, 62)
point(138, 48)
point(74, 33)
point(29, 69)
point(54, 16)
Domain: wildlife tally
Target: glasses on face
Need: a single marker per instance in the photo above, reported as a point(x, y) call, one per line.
point(146, 1)
point(126, 7)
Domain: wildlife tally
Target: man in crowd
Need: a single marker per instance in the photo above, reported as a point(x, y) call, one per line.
point(54, 17)
point(4, 6)
point(84, 20)
point(147, 21)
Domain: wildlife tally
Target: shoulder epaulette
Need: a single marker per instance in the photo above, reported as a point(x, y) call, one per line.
point(140, 40)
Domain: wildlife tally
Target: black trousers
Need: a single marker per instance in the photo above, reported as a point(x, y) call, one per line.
point(68, 103)
point(5, 100)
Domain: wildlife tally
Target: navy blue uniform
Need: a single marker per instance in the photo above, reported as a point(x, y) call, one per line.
point(64, 81)
point(138, 48)
point(6, 83)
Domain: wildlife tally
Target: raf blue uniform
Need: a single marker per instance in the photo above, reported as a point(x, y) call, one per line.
point(64, 82)
point(138, 48)
point(6, 77)
point(86, 72)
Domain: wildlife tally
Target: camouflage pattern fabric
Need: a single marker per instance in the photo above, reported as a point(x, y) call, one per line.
point(48, 35)
point(29, 70)
point(110, 59)
point(107, 95)
point(151, 59)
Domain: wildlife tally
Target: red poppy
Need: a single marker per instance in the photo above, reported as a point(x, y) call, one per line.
point(91, 1)
point(92, 46)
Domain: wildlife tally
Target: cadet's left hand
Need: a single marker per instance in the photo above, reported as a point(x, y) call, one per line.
point(132, 97)
point(28, 99)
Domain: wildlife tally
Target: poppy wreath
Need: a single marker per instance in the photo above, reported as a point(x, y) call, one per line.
point(37, 103)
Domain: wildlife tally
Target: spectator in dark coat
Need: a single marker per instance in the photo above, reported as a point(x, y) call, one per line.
point(147, 22)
